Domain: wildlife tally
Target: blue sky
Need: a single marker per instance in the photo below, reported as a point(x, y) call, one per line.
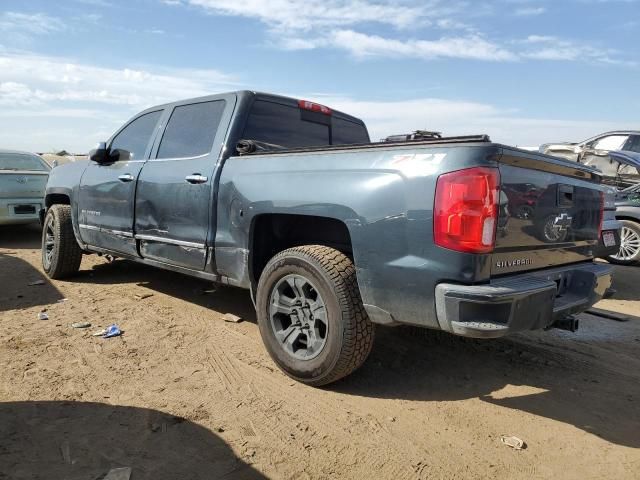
point(523, 71)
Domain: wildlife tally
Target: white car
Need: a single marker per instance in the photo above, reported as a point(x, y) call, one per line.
point(23, 177)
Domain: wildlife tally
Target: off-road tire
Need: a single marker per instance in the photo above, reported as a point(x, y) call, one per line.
point(634, 229)
point(350, 333)
point(65, 259)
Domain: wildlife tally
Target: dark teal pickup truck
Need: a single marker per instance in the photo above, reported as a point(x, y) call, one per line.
point(331, 233)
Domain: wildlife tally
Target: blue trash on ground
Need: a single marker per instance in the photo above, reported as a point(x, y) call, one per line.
point(112, 331)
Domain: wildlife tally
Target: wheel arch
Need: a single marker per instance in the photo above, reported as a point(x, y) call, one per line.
point(628, 218)
point(57, 198)
point(63, 196)
point(271, 233)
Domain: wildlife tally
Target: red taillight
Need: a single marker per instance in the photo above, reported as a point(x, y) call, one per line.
point(314, 107)
point(465, 210)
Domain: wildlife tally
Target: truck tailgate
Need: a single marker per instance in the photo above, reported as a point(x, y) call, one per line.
point(550, 213)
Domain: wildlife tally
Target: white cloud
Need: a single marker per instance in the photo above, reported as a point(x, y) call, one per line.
point(544, 47)
point(347, 25)
point(453, 117)
point(33, 79)
point(308, 14)
point(35, 24)
point(71, 104)
point(530, 11)
point(469, 47)
point(53, 102)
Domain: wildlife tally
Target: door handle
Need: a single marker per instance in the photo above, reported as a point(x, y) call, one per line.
point(196, 178)
point(127, 177)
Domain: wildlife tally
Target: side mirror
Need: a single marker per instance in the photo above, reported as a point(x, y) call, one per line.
point(100, 154)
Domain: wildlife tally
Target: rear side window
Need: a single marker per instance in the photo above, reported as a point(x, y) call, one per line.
point(20, 161)
point(292, 127)
point(191, 130)
point(132, 142)
point(346, 132)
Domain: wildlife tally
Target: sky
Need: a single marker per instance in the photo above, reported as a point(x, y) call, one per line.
point(524, 72)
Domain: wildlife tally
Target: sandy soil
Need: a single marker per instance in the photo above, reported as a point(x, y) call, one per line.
point(183, 394)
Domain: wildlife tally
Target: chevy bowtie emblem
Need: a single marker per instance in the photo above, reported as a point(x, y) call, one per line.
point(563, 221)
point(21, 179)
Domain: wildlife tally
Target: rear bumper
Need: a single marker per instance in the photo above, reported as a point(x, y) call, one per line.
point(517, 303)
point(10, 216)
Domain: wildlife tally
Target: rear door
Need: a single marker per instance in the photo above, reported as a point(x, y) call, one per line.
point(107, 191)
point(175, 191)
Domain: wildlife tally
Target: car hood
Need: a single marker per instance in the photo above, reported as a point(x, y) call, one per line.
point(556, 145)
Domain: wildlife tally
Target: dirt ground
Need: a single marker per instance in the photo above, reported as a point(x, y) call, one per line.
point(184, 395)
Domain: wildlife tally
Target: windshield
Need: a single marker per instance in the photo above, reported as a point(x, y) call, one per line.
point(22, 161)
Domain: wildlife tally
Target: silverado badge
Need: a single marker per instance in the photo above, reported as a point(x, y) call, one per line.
point(519, 262)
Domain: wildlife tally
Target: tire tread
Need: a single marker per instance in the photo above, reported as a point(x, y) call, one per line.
point(358, 333)
point(68, 257)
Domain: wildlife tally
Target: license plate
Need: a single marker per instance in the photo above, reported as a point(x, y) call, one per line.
point(609, 239)
point(24, 209)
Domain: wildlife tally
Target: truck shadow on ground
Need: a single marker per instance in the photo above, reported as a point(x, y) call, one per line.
point(564, 381)
point(20, 237)
point(206, 294)
point(29, 288)
point(625, 281)
point(81, 440)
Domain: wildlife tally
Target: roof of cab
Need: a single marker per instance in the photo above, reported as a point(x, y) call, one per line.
point(255, 94)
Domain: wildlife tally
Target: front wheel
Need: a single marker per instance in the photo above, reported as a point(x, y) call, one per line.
point(629, 252)
point(61, 254)
point(311, 316)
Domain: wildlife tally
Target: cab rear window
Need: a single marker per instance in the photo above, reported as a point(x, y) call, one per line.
point(291, 127)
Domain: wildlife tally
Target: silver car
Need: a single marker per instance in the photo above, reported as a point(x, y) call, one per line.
point(23, 177)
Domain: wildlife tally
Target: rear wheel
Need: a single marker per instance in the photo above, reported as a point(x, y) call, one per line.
point(61, 254)
point(310, 314)
point(629, 252)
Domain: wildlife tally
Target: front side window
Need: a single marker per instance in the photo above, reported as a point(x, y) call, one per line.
point(191, 130)
point(131, 143)
point(611, 142)
point(21, 161)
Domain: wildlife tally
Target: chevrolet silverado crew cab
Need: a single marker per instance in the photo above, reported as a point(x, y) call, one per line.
point(333, 234)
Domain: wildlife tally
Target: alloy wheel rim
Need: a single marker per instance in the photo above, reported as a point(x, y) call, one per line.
point(49, 242)
point(298, 317)
point(629, 245)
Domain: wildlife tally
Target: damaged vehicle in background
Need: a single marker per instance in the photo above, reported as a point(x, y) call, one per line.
point(595, 152)
point(23, 177)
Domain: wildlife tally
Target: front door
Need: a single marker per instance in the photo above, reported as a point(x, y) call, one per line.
point(175, 189)
point(107, 191)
